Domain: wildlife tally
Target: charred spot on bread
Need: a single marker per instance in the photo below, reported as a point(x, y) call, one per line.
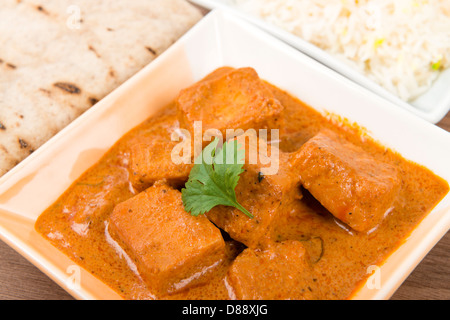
point(67, 87)
point(23, 143)
point(41, 9)
point(93, 101)
point(152, 51)
point(91, 48)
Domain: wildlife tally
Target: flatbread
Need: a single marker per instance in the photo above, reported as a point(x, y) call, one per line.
point(59, 57)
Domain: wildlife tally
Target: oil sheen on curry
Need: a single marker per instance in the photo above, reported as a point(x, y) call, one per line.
point(338, 204)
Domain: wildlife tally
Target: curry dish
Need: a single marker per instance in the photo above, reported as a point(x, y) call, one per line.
point(339, 203)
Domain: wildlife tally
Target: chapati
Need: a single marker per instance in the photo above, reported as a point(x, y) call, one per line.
point(59, 57)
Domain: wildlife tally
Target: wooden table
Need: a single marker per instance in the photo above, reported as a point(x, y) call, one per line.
point(19, 279)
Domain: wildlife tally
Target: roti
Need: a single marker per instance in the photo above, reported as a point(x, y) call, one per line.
point(60, 57)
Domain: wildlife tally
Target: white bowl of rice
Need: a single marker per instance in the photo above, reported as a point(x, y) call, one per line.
point(400, 49)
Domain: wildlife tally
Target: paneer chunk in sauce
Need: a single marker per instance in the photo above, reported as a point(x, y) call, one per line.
point(292, 248)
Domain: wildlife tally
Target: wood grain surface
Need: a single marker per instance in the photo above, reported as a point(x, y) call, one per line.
point(20, 280)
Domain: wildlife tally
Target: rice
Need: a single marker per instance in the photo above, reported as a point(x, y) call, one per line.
point(403, 45)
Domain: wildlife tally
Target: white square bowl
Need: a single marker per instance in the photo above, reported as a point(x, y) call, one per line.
point(432, 105)
point(219, 39)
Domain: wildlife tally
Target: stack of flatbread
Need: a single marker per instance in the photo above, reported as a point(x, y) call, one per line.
point(59, 57)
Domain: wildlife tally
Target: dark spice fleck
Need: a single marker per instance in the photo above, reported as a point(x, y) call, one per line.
point(2, 126)
point(10, 65)
point(260, 176)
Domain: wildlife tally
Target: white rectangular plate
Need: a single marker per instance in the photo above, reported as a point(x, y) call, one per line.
point(433, 105)
point(219, 39)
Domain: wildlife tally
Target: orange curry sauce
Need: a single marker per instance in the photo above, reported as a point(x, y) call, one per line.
point(77, 221)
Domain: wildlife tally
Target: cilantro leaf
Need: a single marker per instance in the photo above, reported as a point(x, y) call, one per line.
point(213, 179)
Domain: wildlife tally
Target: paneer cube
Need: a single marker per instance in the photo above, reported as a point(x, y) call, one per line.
point(95, 194)
point(229, 99)
point(355, 187)
point(153, 156)
point(279, 272)
point(172, 249)
point(266, 194)
point(151, 160)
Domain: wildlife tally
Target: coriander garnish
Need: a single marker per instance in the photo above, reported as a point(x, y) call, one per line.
point(212, 182)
